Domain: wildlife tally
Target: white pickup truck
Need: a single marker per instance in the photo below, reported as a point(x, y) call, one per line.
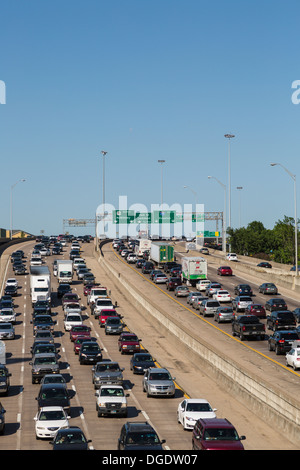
point(95, 293)
point(111, 400)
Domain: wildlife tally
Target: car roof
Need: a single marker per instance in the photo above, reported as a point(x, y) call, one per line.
point(138, 426)
point(52, 385)
point(216, 422)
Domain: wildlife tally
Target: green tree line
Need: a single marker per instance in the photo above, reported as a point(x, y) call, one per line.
point(276, 244)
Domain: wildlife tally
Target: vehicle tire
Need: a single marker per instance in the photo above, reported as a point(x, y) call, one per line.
point(242, 337)
point(277, 352)
point(270, 347)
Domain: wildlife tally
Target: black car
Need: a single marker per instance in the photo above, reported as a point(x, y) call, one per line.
point(54, 395)
point(44, 348)
point(42, 304)
point(147, 267)
point(11, 290)
point(281, 341)
point(63, 289)
point(140, 362)
point(139, 436)
point(243, 289)
point(71, 438)
point(140, 263)
point(4, 379)
point(281, 320)
point(173, 282)
point(19, 269)
point(90, 353)
point(2, 418)
point(169, 265)
point(264, 264)
point(275, 304)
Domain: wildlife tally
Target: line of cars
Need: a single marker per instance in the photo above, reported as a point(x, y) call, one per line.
point(192, 413)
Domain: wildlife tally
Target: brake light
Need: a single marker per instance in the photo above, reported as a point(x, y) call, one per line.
point(281, 341)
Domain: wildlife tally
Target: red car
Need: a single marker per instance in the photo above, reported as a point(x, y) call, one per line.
point(129, 343)
point(106, 313)
point(88, 287)
point(256, 309)
point(216, 434)
point(79, 330)
point(224, 271)
point(78, 342)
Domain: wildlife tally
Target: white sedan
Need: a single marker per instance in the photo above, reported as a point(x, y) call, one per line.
point(12, 282)
point(292, 358)
point(232, 257)
point(49, 420)
point(192, 409)
point(222, 296)
point(7, 315)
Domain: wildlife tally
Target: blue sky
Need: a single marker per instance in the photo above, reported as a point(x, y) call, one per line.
point(147, 80)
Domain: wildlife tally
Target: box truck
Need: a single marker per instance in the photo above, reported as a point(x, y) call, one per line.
point(161, 253)
point(40, 283)
point(193, 268)
point(65, 271)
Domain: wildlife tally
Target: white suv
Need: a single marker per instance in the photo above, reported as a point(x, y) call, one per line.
point(232, 257)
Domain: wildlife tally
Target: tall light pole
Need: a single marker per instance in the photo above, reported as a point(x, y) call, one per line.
point(104, 153)
point(229, 137)
point(11, 208)
point(239, 188)
point(224, 235)
point(295, 212)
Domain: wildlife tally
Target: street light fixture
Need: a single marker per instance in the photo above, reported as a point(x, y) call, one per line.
point(295, 211)
point(11, 209)
point(104, 153)
point(224, 235)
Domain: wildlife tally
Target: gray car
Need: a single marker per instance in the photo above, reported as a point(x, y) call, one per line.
point(241, 302)
point(113, 325)
point(224, 314)
point(268, 288)
point(209, 307)
point(7, 331)
point(107, 373)
point(42, 364)
point(158, 382)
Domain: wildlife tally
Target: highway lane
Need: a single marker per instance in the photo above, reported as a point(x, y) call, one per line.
point(21, 404)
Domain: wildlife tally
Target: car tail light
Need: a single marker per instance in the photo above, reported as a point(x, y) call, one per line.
point(281, 341)
point(244, 328)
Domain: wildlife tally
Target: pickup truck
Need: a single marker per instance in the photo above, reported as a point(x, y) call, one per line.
point(111, 400)
point(129, 343)
point(248, 326)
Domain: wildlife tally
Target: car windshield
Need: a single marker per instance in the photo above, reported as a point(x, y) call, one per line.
point(73, 318)
point(149, 438)
point(112, 392)
point(53, 379)
point(5, 326)
point(55, 415)
point(112, 321)
point(104, 367)
point(49, 393)
point(104, 302)
point(70, 438)
point(44, 360)
point(143, 358)
point(130, 338)
point(2, 373)
point(198, 407)
point(289, 336)
point(90, 348)
point(160, 376)
point(221, 434)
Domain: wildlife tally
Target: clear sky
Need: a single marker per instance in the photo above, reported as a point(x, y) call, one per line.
point(146, 80)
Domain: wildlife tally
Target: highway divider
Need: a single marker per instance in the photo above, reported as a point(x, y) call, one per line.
point(269, 401)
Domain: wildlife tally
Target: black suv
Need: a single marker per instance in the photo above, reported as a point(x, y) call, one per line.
point(281, 341)
point(54, 395)
point(147, 267)
point(4, 379)
point(90, 353)
point(281, 319)
point(139, 436)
